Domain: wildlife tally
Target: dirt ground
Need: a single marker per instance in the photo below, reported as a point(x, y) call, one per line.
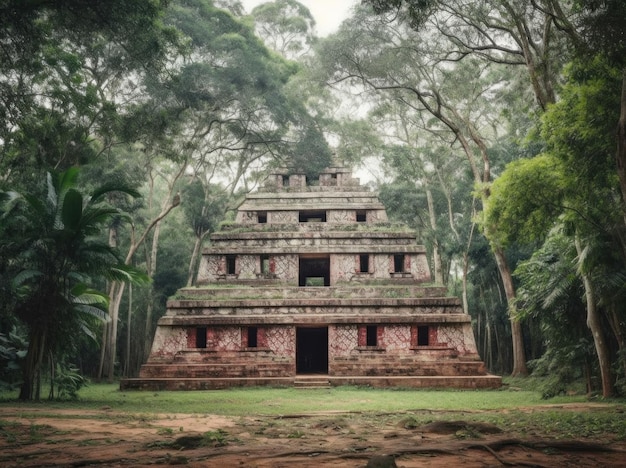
point(44, 437)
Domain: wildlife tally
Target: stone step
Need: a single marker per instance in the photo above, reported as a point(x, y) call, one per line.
point(309, 382)
point(164, 383)
point(235, 370)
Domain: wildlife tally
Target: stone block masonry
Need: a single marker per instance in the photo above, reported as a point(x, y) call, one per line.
point(312, 279)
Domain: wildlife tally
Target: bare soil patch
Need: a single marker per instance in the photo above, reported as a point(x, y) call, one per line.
point(43, 437)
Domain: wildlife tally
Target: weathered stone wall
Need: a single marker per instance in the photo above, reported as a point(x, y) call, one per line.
point(377, 216)
point(286, 268)
point(210, 268)
point(458, 337)
point(225, 339)
point(247, 266)
point(419, 268)
point(342, 268)
point(168, 341)
point(342, 340)
point(396, 339)
point(282, 217)
point(396, 353)
point(281, 340)
point(341, 216)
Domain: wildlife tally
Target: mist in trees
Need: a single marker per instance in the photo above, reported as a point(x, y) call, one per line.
point(495, 130)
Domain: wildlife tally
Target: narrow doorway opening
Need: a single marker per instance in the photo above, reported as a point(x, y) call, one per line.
point(312, 350)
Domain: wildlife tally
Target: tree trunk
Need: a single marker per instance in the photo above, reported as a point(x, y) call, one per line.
point(110, 345)
point(620, 156)
point(466, 269)
point(32, 366)
point(128, 331)
point(618, 332)
point(193, 262)
point(108, 354)
point(488, 347)
point(594, 324)
point(436, 249)
point(519, 353)
point(152, 265)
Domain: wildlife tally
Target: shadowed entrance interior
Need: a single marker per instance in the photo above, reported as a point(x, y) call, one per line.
point(314, 271)
point(312, 350)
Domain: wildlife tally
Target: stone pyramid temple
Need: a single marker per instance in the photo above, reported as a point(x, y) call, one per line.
point(313, 286)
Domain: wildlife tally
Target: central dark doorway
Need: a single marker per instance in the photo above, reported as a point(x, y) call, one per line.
point(312, 350)
point(314, 271)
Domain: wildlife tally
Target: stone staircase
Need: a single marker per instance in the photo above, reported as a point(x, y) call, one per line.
point(311, 381)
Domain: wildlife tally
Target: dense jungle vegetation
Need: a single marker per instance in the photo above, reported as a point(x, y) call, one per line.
point(130, 129)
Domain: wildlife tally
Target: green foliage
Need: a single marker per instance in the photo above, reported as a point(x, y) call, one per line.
point(580, 128)
point(68, 381)
point(417, 11)
point(54, 257)
point(203, 206)
point(60, 66)
point(525, 201)
point(13, 348)
point(286, 26)
point(311, 153)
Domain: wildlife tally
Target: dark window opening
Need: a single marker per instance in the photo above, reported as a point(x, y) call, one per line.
point(201, 337)
point(312, 217)
point(262, 217)
point(371, 335)
point(361, 216)
point(398, 263)
point(422, 335)
point(314, 271)
point(364, 263)
point(230, 264)
point(252, 337)
point(265, 263)
point(285, 181)
point(312, 180)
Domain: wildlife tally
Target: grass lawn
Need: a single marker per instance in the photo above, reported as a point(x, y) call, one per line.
point(290, 401)
point(516, 407)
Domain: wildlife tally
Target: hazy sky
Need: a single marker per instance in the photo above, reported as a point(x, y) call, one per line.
point(328, 14)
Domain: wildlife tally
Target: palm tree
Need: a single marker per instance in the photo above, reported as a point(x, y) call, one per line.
point(56, 257)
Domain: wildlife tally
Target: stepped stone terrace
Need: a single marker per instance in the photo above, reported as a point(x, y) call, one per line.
point(313, 286)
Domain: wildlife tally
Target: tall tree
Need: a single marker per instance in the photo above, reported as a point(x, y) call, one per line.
point(59, 260)
point(575, 183)
point(371, 54)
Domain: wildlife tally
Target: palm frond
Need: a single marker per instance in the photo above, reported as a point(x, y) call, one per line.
point(36, 205)
point(94, 216)
point(8, 202)
point(107, 188)
point(129, 274)
point(25, 275)
point(52, 191)
point(72, 209)
point(92, 311)
point(82, 294)
point(88, 331)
